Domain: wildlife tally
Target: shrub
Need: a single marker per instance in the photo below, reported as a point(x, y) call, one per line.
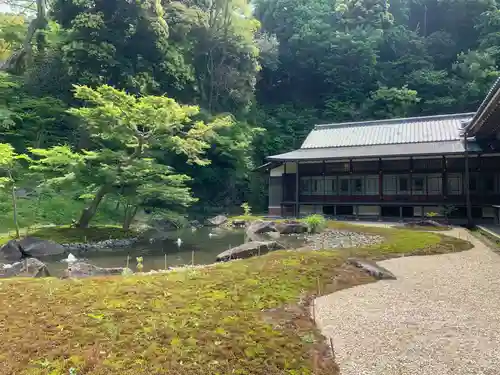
point(315, 223)
point(247, 210)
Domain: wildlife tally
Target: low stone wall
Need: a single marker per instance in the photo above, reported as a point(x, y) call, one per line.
point(107, 244)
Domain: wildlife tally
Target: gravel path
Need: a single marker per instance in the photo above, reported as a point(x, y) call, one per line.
point(441, 317)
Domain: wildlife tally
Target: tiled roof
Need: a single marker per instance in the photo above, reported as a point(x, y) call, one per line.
point(388, 132)
point(395, 150)
point(485, 110)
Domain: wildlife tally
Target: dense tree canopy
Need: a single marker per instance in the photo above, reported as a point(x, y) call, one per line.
point(272, 69)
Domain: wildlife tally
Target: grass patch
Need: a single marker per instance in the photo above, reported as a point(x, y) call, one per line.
point(55, 209)
point(242, 317)
point(491, 240)
point(247, 218)
point(66, 234)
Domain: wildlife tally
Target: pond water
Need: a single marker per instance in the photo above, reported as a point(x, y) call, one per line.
point(206, 243)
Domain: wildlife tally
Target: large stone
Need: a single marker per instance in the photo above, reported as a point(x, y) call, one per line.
point(11, 251)
point(291, 227)
point(30, 267)
point(83, 269)
point(217, 220)
point(260, 227)
point(373, 269)
point(37, 248)
point(15, 250)
point(248, 250)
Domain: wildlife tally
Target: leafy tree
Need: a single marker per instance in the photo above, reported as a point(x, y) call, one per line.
point(13, 27)
point(129, 131)
point(391, 102)
point(9, 167)
point(112, 42)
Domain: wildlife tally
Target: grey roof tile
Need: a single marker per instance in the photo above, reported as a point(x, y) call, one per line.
point(384, 132)
point(370, 151)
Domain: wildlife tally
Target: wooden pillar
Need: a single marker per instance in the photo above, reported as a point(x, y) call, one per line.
point(380, 186)
point(444, 179)
point(324, 182)
point(380, 180)
point(297, 207)
point(411, 176)
point(466, 183)
point(283, 192)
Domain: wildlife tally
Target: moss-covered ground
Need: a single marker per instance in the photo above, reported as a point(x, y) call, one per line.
point(67, 234)
point(242, 317)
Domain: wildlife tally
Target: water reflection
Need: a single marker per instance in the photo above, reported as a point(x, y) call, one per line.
point(206, 243)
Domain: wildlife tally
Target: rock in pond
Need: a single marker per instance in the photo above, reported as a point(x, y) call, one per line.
point(248, 250)
point(83, 269)
point(260, 227)
point(217, 220)
point(291, 227)
point(30, 247)
point(373, 269)
point(239, 223)
point(30, 267)
point(195, 224)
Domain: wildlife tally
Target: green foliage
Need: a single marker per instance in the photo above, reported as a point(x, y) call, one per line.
point(131, 131)
point(247, 210)
point(315, 223)
point(139, 265)
point(67, 234)
point(272, 69)
point(391, 102)
point(228, 316)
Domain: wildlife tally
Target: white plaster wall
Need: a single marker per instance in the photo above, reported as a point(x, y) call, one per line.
point(368, 210)
point(278, 171)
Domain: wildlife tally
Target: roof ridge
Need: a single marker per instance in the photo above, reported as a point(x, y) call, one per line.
point(391, 121)
point(379, 144)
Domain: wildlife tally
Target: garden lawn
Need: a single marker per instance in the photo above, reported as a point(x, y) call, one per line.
point(241, 317)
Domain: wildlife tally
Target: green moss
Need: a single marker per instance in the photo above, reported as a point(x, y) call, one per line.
point(66, 234)
point(215, 320)
point(247, 218)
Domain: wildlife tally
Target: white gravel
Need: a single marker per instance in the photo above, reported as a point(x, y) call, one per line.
point(441, 317)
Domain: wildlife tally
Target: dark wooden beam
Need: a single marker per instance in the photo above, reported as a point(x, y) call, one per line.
point(283, 197)
point(466, 185)
point(444, 179)
point(297, 190)
point(411, 177)
point(324, 181)
point(380, 180)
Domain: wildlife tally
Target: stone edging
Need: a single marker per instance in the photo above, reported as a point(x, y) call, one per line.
point(106, 244)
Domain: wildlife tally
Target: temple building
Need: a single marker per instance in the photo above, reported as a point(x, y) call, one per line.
point(446, 165)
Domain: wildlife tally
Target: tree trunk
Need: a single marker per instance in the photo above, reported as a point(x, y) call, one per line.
point(130, 213)
point(23, 56)
point(14, 207)
point(89, 212)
